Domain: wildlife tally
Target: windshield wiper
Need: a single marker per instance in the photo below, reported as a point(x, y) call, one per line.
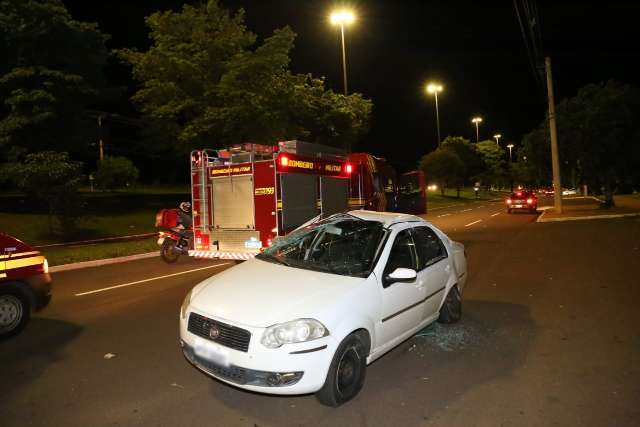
point(267, 256)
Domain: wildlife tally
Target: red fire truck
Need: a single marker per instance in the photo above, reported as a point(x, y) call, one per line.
point(245, 197)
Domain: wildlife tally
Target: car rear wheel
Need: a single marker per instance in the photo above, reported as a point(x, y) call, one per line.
point(346, 372)
point(451, 310)
point(15, 311)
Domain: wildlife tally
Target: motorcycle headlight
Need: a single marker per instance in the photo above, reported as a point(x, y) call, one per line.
point(296, 331)
point(185, 304)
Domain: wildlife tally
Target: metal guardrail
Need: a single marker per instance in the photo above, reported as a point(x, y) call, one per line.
point(95, 241)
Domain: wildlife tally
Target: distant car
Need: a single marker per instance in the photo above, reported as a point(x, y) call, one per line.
point(25, 284)
point(312, 310)
point(569, 192)
point(522, 201)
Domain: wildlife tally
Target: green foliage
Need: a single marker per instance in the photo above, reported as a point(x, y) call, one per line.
point(597, 135)
point(50, 71)
point(471, 160)
point(205, 82)
point(495, 167)
point(116, 172)
point(53, 178)
point(444, 167)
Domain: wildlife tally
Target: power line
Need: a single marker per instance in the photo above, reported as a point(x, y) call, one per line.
point(532, 46)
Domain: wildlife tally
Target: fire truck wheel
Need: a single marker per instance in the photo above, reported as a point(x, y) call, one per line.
point(168, 251)
point(15, 311)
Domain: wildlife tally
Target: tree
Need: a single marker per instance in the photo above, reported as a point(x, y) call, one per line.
point(51, 71)
point(53, 178)
point(206, 82)
point(597, 134)
point(472, 163)
point(495, 167)
point(116, 172)
point(443, 166)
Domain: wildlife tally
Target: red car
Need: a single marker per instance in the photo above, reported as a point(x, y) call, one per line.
point(522, 200)
point(25, 284)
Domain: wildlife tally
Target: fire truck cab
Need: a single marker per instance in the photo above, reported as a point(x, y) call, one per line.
point(25, 284)
point(245, 197)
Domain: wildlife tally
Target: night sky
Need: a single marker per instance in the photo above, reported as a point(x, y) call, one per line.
point(474, 48)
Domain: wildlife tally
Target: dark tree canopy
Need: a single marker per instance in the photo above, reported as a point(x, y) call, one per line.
point(51, 71)
point(206, 82)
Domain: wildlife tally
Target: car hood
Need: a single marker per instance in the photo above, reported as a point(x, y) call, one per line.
point(260, 293)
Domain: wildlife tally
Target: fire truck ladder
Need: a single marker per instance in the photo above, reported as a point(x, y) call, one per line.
point(201, 186)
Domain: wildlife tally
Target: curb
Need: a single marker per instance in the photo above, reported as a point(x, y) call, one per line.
point(99, 262)
point(580, 218)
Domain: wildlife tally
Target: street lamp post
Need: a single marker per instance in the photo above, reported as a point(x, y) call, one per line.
point(510, 146)
point(477, 121)
point(342, 17)
point(434, 88)
point(497, 136)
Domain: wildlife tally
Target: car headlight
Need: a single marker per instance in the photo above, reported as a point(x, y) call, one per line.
point(296, 331)
point(185, 304)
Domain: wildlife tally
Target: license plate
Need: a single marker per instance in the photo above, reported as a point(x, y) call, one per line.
point(160, 240)
point(211, 352)
point(518, 206)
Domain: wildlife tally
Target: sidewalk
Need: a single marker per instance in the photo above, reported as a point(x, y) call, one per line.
point(585, 208)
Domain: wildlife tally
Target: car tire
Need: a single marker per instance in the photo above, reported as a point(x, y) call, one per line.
point(168, 251)
point(346, 373)
point(451, 310)
point(15, 311)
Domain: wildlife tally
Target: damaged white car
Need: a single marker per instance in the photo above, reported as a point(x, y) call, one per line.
point(314, 309)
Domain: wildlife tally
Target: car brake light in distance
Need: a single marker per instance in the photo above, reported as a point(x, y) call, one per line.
point(508, 201)
point(529, 201)
point(519, 193)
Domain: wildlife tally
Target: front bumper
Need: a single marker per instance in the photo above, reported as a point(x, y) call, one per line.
point(291, 369)
point(40, 285)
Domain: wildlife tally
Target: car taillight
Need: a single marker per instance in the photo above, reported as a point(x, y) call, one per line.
point(349, 168)
point(529, 201)
point(508, 201)
point(284, 161)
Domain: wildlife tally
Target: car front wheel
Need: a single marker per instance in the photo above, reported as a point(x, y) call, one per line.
point(346, 372)
point(14, 312)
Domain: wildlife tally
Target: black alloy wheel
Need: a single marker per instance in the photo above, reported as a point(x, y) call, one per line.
point(346, 373)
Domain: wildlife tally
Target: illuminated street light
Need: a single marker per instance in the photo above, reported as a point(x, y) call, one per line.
point(510, 146)
point(477, 121)
point(343, 17)
point(434, 88)
point(497, 136)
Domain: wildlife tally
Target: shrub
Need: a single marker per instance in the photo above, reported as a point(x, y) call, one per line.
point(116, 172)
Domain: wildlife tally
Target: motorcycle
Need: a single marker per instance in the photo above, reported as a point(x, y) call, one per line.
point(173, 244)
point(174, 240)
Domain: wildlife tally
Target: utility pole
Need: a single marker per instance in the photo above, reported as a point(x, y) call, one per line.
point(344, 61)
point(555, 160)
point(100, 137)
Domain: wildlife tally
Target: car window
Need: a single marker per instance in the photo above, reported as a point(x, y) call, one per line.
point(341, 244)
point(429, 247)
point(402, 253)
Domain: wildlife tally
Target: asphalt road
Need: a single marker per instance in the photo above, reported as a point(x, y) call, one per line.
point(549, 336)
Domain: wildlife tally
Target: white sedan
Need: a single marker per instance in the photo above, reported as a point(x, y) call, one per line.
point(314, 309)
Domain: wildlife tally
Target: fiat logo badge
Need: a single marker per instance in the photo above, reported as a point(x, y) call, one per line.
point(214, 332)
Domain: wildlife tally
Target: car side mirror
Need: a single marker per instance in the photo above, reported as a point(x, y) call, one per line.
point(400, 275)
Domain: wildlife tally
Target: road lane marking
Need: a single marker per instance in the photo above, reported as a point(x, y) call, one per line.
point(447, 214)
point(137, 282)
point(474, 222)
point(497, 213)
point(466, 210)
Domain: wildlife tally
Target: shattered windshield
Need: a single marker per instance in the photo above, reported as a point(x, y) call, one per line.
point(343, 244)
